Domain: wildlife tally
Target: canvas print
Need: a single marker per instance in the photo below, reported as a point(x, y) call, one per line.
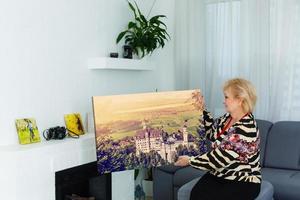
point(27, 131)
point(149, 129)
point(74, 123)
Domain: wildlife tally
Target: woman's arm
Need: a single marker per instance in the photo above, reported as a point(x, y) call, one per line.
point(241, 143)
point(209, 125)
point(214, 159)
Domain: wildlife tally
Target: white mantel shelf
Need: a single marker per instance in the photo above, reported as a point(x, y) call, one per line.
point(48, 144)
point(120, 63)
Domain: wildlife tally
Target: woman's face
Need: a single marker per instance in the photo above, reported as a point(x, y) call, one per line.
point(231, 103)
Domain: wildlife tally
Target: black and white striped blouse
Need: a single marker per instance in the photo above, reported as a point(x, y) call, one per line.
point(235, 153)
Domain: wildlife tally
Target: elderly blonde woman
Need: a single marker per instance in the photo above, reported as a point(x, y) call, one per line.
point(233, 163)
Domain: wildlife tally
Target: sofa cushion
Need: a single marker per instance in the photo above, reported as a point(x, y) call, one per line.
point(185, 175)
point(286, 183)
point(283, 146)
point(264, 128)
point(266, 191)
point(184, 192)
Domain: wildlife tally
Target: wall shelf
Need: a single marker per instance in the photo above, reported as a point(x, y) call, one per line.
point(120, 63)
point(43, 144)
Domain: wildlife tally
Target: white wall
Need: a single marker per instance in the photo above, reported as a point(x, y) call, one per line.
point(44, 47)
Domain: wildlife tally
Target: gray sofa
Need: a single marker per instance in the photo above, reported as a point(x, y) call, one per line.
point(280, 160)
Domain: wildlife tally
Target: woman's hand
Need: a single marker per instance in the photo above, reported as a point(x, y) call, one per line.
point(198, 99)
point(182, 161)
point(202, 102)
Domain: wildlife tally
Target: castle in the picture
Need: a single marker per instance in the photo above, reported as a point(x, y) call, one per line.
point(149, 139)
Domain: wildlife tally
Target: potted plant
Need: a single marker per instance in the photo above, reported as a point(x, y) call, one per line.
point(144, 35)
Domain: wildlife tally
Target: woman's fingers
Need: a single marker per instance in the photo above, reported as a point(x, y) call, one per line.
point(182, 161)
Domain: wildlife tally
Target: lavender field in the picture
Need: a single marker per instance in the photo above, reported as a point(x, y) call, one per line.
point(144, 130)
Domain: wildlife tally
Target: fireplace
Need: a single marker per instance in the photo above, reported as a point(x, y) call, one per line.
point(29, 171)
point(82, 183)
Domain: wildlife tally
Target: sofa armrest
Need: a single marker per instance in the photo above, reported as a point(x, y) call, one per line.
point(170, 169)
point(163, 182)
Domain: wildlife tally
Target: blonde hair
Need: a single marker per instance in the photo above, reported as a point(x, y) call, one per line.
point(244, 90)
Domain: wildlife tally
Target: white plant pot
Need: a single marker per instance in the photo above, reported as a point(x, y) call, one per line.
point(135, 56)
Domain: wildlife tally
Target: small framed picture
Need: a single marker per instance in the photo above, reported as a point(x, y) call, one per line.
point(74, 124)
point(27, 131)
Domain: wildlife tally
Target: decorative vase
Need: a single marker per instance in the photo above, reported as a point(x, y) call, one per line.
point(127, 51)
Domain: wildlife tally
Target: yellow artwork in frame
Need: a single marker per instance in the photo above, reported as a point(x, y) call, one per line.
point(27, 131)
point(74, 124)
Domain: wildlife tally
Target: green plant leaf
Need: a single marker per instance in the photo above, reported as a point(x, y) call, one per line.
point(162, 16)
point(144, 19)
point(168, 35)
point(161, 35)
point(160, 22)
point(132, 8)
point(131, 25)
point(120, 36)
point(154, 18)
point(128, 40)
point(140, 14)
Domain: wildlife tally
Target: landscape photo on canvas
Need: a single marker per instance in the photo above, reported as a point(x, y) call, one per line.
point(148, 129)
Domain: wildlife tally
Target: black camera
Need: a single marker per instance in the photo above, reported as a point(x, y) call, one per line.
point(55, 133)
